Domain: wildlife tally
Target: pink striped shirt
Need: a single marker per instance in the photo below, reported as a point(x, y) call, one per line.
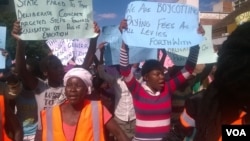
point(153, 112)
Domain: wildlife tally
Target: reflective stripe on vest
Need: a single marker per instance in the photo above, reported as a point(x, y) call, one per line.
point(95, 117)
point(186, 120)
point(2, 110)
point(49, 125)
point(90, 124)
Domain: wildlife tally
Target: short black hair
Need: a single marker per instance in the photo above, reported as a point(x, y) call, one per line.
point(48, 61)
point(150, 65)
point(97, 81)
point(33, 63)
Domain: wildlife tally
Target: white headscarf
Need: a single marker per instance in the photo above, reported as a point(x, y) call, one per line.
point(81, 73)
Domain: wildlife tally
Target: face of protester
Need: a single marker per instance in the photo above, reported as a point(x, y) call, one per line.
point(155, 80)
point(75, 90)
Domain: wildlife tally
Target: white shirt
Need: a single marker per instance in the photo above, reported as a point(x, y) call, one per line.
point(124, 108)
point(47, 96)
point(150, 92)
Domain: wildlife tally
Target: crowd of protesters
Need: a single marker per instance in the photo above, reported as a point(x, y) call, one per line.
point(47, 103)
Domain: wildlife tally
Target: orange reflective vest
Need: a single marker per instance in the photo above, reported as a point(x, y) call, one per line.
point(2, 110)
point(188, 121)
point(90, 125)
point(238, 121)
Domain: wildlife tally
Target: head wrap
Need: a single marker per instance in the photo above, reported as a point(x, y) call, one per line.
point(81, 73)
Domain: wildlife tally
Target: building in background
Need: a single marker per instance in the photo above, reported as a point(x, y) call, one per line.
point(211, 18)
point(220, 11)
point(239, 3)
point(225, 27)
point(223, 6)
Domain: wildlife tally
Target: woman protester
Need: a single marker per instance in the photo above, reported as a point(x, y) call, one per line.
point(152, 98)
point(78, 118)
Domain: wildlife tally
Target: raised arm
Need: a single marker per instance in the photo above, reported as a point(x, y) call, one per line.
point(12, 123)
point(187, 70)
point(92, 48)
point(189, 67)
point(100, 67)
point(125, 68)
point(164, 55)
point(201, 30)
point(29, 80)
point(96, 61)
point(162, 61)
point(101, 47)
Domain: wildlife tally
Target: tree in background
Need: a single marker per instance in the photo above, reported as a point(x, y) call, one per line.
point(35, 49)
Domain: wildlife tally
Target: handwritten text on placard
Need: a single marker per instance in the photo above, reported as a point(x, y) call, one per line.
point(161, 25)
point(206, 53)
point(80, 49)
point(55, 19)
point(67, 49)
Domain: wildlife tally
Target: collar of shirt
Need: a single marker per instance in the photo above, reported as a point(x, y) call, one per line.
point(150, 92)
